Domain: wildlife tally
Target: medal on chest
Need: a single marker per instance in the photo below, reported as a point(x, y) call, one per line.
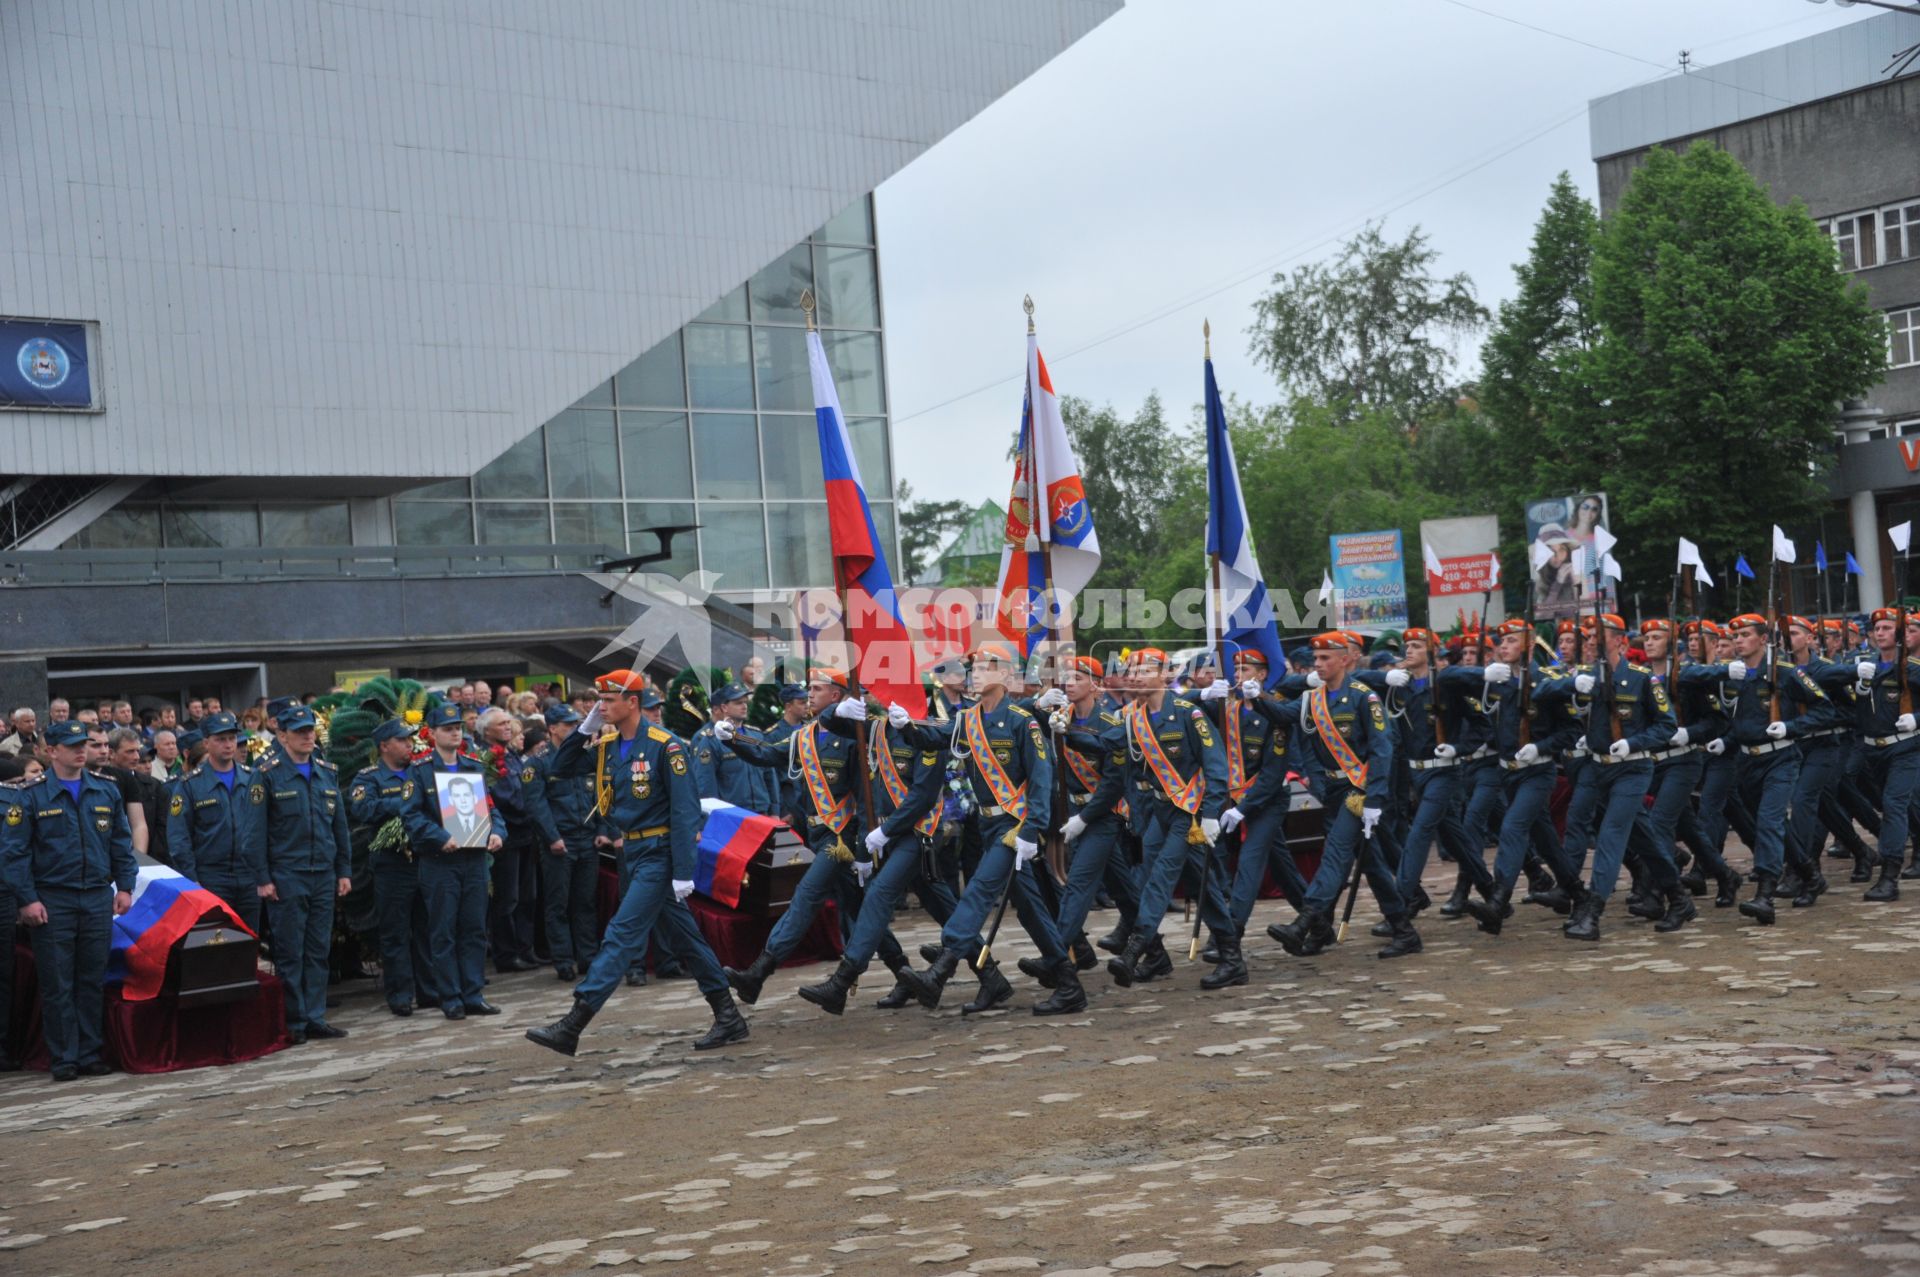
point(642, 778)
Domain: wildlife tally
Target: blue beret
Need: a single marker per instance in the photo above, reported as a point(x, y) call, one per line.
point(215, 724)
point(295, 718)
point(445, 714)
point(561, 714)
point(392, 729)
point(71, 732)
point(730, 692)
point(793, 692)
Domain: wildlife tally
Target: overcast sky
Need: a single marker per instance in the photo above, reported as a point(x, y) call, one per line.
point(1186, 149)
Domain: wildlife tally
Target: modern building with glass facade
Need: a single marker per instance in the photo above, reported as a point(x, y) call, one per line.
point(345, 337)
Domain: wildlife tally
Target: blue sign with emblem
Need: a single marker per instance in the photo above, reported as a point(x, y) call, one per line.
point(44, 364)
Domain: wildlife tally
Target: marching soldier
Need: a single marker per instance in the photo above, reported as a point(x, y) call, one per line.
point(1890, 738)
point(569, 865)
point(452, 869)
point(378, 800)
point(216, 832)
point(1094, 788)
point(309, 863)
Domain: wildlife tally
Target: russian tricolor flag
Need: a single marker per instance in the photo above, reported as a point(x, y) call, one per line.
point(882, 646)
point(166, 905)
point(727, 843)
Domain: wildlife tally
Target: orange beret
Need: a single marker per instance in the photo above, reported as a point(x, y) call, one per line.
point(1411, 633)
point(1565, 626)
point(1833, 624)
point(1656, 625)
point(1149, 656)
point(1885, 614)
point(1801, 621)
point(630, 681)
point(1745, 619)
point(992, 652)
point(1088, 665)
point(1513, 625)
point(1331, 641)
point(1251, 655)
point(827, 674)
point(1355, 640)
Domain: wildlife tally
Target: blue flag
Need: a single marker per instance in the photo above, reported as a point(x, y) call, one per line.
point(1853, 568)
point(1820, 555)
point(1247, 618)
point(1741, 566)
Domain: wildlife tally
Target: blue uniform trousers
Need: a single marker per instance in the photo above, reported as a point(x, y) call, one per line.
point(1263, 843)
point(70, 950)
point(825, 878)
point(302, 920)
point(570, 880)
point(1893, 772)
point(455, 886)
point(514, 875)
point(1619, 797)
point(1673, 783)
point(1171, 859)
point(993, 876)
point(241, 897)
point(1438, 795)
point(1485, 803)
point(1527, 792)
point(1089, 864)
point(1343, 840)
point(901, 870)
point(406, 960)
point(1769, 780)
point(1719, 777)
point(648, 907)
point(1821, 759)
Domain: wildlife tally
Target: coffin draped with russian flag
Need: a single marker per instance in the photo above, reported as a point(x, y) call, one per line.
point(727, 843)
point(166, 905)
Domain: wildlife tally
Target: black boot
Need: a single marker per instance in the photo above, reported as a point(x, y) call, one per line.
point(728, 1024)
point(1122, 967)
point(930, 953)
point(1405, 939)
point(1586, 918)
point(830, 995)
point(1492, 913)
point(1456, 904)
point(563, 1035)
point(1539, 877)
point(1813, 885)
point(1067, 997)
point(1114, 941)
point(901, 993)
point(1913, 867)
point(994, 990)
point(1382, 928)
point(1157, 962)
point(1232, 968)
point(926, 985)
point(1037, 970)
point(748, 983)
point(1791, 883)
point(1862, 865)
point(1211, 954)
point(1307, 934)
point(1084, 958)
point(1680, 910)
point(1649, 904)
point(1888, 888)
point(1727, 887)
point(1695, 879)
point(1760, 908)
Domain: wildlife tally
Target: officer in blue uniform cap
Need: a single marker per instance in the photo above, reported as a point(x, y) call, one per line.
point(562, 807)
point(66, 852)
point(453, 871)
point(309, 863)
point(720, 773)
point(378, 796)
point(216, 834)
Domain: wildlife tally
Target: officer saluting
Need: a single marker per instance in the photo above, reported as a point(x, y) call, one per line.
point(309, 860)
point(63, 843)
point(216, 833)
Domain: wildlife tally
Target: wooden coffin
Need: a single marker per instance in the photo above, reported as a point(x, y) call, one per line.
point(774, 874)
point(212, 964)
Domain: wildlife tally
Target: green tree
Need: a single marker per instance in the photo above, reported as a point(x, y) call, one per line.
point(1371, 331)
point(925, 526)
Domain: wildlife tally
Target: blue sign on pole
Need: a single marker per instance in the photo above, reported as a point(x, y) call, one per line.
point(1370, 580)
point(43, 364)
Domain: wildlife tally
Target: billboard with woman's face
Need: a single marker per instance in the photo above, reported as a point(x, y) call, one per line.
point(1563, 584)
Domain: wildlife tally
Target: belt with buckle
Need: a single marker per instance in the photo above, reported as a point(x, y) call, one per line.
point(1514, 765)
point(1767, 748)
point(1678, 751)
point(651, 831)
point(1427, 764)
point(1079, 800)
point(1881, 742)
point(996, 811)
point(1610, 760)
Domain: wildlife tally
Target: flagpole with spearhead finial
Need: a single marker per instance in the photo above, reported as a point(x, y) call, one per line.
point(1218, 642)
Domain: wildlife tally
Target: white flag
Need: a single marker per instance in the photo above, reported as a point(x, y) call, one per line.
point(1782, 548)
point(1432, 560)
point(1610, 566)
point(1902, 536)
point(1326, 586)
point(1493, 571)
point(1603, 542)
point(1690, 557)
point(1541, 553)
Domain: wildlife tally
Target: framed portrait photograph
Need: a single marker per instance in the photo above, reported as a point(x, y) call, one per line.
point(464, 811)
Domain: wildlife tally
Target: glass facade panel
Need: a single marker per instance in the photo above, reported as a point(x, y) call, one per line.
point(121, 528)
point(791, 445)
point(432, 523)
point(513, 523)
point(210, 527)
point(520, 471)
point(775, 291)
point(857, 372)
point(851, 225)
point(601, 396)
point(726, 455)
point(642, 517)
point(719, 366)
point(869, 436)
point(584, 453)
point(733, 544)
point(655, 454)
point(731, 309)
point(305, 525)
point(658, 379)
point(601, 523)
point(849, 288)
point(797, 539)
point(446, 489)
point(780, 369)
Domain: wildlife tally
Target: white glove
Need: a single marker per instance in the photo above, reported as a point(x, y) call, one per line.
point(1680, 737)
point(1866, 671)
point(1777, 730)
point(1444, 752)
point(682, 888)
point(1580, 746)
point(1052, 698)
point(1024, 851)
point(591, 723)
point(1583, 684)
point(1620, 748)
point(852, 707)
point(876, 842)
point(1074, 827)
point(1369, 817)
point(1314, 679)
point(1211, 828)
point(1058, 721)
point(1398, 678)
point(1251, 690)
point(1497, 672)
point(1527, 753)
point(862, 870)
point(1215, 691)
point(723, 730)
point(897, 716)
point(1230, 820)
point(1717, 746)
point(1736, 671)
point(1904, 723)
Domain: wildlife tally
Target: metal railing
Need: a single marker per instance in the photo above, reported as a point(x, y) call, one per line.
point(293, 563)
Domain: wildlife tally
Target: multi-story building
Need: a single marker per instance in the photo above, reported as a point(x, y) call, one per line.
point(342, 336)
point(1820, 120)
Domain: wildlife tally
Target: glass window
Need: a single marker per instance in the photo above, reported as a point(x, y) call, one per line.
point(584, 455)
point(657, 379)
point(884, 528)
point(780, 368)
point(726, 455)
point(870, 450)
point(513, 523)
point(210, 527)
point(447, 489)
point(775, 291)
point(719, 366)
point(729, 309)
point(601, 523)
point(520, 471)
point(857, 372)
point(121, 528)
point(851, 225)
point(849, 288)
point(797, 538)
point(305, 525)
point(601, 396)
point(432, 523)
point(1901, 227)
point(1904, 337)
point(792, 450)
point(655, 454)
point(733, 544)
point(643, 517)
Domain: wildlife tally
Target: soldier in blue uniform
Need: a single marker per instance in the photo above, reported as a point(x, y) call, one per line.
point(379, 797)
point(309, 863)
point(1707, 704)
point(1097, 808)
point(453, 871)
point(793, 716)
point(1890, 738)
point(569, 866)
point(718, 771)
point(1252, 741)
point(215, 833)
point(1677, 770)
point(646, 798)
point(66, 852)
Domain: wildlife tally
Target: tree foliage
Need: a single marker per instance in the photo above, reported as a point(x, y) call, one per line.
point(925, 526)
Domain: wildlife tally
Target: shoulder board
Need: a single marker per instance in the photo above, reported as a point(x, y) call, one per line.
point(1021, 710)
point(1110, 718)
point(660, 734)
point(328, 764)
point(197, 770)
point(1179, 702)
point(1640, 669)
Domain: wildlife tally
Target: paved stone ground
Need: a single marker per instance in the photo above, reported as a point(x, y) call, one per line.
point(1731, 1100)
